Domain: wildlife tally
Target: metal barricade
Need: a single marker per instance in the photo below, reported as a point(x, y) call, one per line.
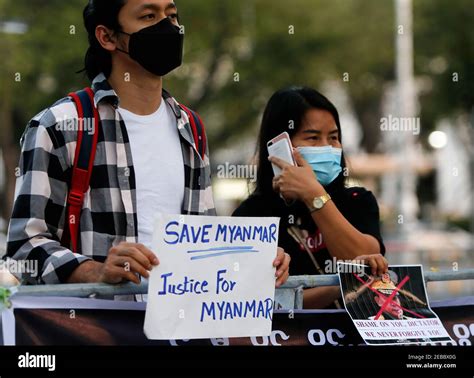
point(289, 295)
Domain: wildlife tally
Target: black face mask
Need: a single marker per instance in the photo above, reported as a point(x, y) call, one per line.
point(157, 48)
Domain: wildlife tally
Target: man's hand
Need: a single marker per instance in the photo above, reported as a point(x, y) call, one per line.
point(282, 265)
point(124, 263)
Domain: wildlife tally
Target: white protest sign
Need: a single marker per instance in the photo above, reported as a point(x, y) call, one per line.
point(215, 279)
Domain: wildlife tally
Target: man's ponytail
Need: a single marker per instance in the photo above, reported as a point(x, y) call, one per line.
point(100, 12)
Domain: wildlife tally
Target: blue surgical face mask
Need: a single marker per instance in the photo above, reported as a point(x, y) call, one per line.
point(325, 161)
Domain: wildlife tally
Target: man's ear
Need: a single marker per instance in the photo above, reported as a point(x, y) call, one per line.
point(106, 38)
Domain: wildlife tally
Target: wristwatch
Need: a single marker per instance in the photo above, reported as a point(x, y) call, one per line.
point(319, 202)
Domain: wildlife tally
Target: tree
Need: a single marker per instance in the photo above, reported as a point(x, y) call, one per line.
point(237, 53)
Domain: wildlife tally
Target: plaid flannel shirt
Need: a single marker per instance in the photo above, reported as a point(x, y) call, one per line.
point(109, 213)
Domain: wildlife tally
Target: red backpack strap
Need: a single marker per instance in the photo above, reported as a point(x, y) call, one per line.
point(83, 162)
point(199, 131)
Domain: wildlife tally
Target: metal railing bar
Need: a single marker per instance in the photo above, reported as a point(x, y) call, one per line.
point(294, 282)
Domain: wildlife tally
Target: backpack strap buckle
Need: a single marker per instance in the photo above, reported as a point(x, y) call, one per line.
point(75, 198)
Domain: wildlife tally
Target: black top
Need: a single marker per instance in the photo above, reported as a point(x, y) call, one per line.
point(357, 205)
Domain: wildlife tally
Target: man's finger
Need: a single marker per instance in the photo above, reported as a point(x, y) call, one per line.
point(137, 255)
point(131, 265)
point(148, 253)
point(132, 277)
point(142, 249)
point(117, 274)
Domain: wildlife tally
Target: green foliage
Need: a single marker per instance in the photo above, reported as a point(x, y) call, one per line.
point(253, 39)
point(46, 57)
point(444, 42)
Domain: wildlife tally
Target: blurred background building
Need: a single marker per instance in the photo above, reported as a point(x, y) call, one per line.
point(401, 74)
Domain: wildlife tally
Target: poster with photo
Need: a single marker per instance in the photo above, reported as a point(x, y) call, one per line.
point(390, 309)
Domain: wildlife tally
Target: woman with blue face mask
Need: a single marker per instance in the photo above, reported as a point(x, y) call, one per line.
point(322, 220)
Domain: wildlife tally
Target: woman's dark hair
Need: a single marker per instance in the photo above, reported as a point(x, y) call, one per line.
point(285, 111)
point(100, 12)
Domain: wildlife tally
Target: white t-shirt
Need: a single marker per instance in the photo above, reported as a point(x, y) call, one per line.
point(159, 167)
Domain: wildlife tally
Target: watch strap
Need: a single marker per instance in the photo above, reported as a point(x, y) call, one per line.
point(325, 198)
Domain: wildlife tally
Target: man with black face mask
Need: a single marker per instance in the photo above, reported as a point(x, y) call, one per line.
point(147, 158)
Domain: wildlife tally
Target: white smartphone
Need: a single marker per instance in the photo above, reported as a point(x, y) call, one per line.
point(281, 148)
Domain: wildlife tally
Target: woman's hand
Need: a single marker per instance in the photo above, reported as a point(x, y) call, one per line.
point(282, 266)
point(296, 183)
point(377, 263)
